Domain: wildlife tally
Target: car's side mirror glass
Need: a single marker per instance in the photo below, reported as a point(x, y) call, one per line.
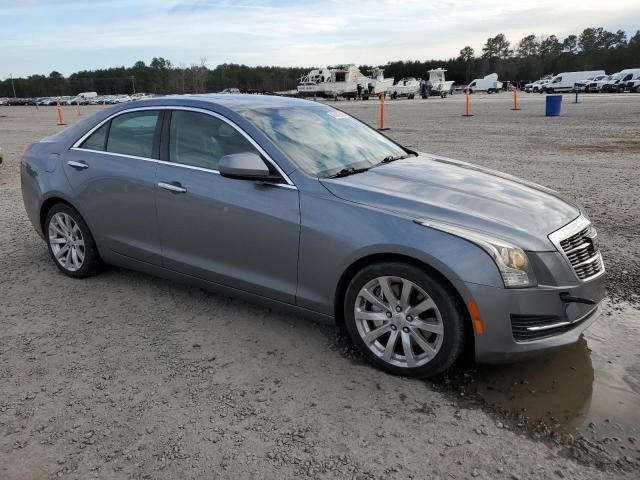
point(247, 166)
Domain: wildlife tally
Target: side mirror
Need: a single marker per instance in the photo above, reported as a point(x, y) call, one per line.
point(247, 166)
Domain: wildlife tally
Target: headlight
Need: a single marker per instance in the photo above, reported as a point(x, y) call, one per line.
point(512, 261)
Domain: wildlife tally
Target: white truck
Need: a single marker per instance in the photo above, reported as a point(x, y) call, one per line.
point(618, 81)
point(633, 85)
point(581, 86)
point(565, 81)
point(489, 84)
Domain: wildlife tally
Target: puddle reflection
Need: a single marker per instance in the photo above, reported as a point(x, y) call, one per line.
point(592, 386)
point(556, 388)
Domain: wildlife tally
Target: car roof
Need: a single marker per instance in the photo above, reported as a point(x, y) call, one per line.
point(235, 102)
point(231, 103)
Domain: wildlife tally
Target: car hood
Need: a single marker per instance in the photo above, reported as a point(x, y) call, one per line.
point(429, 187)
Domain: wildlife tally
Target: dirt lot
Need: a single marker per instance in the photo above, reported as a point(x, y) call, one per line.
point(129, 376)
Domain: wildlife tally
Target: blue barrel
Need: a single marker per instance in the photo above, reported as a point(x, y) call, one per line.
point(553, 106)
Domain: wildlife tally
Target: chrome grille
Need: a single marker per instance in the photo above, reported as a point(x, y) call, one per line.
point(582, 253)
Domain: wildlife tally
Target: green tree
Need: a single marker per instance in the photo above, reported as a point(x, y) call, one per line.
point(528, 47)
point(497, 47)
point(570, 44)
point(467, 55)
point(591, 39)
point(550, 47)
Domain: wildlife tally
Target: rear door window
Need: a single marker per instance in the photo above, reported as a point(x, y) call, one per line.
point(133, 133)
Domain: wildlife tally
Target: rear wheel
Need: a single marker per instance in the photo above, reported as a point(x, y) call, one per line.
point(404, 320)
point(70, 243)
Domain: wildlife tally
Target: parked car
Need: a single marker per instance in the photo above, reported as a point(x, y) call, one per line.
point(535, 86)
point(77, 100)
point(300, 205)
point(120, 99)
point(140, 96)
point(529, 86)
point(565, 81)
point(231, 91)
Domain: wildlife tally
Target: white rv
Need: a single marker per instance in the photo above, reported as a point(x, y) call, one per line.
point(565, 81)
point(489, 84)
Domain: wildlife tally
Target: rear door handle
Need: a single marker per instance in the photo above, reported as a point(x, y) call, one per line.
point(78, 165)
point(175, 188)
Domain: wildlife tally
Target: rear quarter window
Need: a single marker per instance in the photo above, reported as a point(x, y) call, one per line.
point(97, 140)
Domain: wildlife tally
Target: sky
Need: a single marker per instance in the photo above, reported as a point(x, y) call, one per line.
point(38, 36)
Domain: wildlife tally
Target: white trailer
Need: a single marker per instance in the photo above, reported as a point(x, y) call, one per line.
point(565, 81)
point(489, 84)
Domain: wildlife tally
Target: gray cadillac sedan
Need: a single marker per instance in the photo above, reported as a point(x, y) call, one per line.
point(300, 205)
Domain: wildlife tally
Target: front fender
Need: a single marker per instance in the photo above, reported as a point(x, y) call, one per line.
point(353, 232)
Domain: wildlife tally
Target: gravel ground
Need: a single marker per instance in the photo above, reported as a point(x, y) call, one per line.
point(128, 376)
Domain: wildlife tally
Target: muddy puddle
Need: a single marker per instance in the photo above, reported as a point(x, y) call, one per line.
point(591, 388)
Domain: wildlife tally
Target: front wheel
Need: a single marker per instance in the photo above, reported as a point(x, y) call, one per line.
point(404, 320)
point(70, 243)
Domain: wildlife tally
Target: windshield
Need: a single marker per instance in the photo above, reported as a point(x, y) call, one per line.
point(321, 140)
point(617, 76)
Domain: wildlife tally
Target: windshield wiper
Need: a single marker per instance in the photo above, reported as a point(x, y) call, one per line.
point(391, 158)
point(345, 172)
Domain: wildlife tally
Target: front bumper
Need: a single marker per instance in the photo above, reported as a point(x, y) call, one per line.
point(508, 314)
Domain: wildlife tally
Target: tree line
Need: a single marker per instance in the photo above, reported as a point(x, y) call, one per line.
point(528, 59)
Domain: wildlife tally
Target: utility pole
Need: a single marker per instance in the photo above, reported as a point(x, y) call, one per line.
point(133, 83)
point(12, 85)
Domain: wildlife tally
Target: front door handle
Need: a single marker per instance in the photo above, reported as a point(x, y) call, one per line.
point(175, 188)
point(77, 165)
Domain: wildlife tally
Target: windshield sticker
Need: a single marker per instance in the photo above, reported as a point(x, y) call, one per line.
point(337, 114)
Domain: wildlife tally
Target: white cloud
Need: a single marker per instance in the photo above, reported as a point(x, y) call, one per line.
point(68, 35)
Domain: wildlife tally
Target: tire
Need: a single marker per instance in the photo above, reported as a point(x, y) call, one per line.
point(83, 259)
point(434, 335)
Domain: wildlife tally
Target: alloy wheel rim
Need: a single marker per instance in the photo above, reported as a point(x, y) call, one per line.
point(66, 241)
point(398, 321)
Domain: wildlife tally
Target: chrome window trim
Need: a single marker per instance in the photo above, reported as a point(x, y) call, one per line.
point(567, 231)
point(76, 145)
